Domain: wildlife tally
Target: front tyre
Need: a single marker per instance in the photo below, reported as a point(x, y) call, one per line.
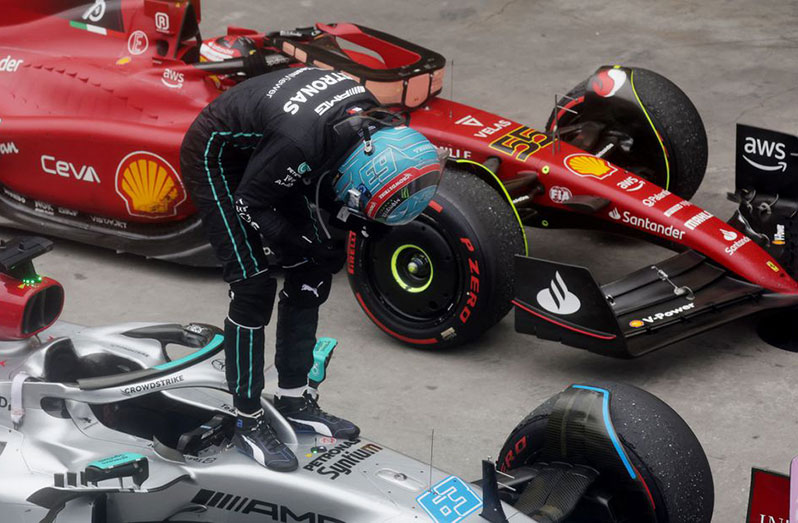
point(660, 445)
point(674, 118)
point(445, 278)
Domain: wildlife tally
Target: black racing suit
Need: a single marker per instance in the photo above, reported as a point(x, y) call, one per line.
point(251, 161)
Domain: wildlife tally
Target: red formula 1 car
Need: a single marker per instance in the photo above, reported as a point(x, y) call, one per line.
point(93, 115)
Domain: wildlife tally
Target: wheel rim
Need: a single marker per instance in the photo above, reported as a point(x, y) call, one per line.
point(412, 268)
point(414, 271)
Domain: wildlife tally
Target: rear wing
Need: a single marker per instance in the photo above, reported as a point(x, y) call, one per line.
point(646, 310)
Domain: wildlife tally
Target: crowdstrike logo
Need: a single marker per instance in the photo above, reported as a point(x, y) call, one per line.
point(557, 298)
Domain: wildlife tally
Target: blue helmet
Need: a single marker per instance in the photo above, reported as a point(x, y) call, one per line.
point(393, 183)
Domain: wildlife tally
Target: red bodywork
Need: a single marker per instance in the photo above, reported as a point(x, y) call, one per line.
point(96, 122)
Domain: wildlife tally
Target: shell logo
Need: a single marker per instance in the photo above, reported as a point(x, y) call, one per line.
point(586, 165)
point(149, 185)
point(636, 324)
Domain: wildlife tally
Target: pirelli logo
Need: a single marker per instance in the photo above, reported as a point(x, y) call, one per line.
point(245, 505)
point(521, 143)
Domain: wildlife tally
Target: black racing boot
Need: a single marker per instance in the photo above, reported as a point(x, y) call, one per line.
point(255, 437)
point(306, 416)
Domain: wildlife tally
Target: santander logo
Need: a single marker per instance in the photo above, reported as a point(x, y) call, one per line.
point(557, 298)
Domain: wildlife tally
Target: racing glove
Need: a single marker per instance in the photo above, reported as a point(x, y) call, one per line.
point(328, 255)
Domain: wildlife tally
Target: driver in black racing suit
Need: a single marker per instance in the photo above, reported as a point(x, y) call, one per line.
point(253, 161)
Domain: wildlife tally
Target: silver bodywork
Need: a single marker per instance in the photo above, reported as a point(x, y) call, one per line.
point(219, 484)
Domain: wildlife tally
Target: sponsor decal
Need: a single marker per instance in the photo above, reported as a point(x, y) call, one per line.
point(659, 316)
point(43, 207)
point(731, 249)
point(276, 87)
point(779, 238)
point(647, 224)
point(652, 200)
point(729, 236)
point(521, 143)
point(162, 22)
point(172, 79)
point(14, 196)
point(631, 184)
point(244, 505)
point(473, 283)
point(769, 497)
point(95, 12)
point(676, 208)
point(607, 82)
point(469, 120)
point(456, 153)
point(137, 43)
point(108, 222)
point(772, 150)
point(9, 65)
point(67, 212)
point(557, 298)
point(149, 185)
point(351, 246)
point(313, 290)
point(307, 92)
point(3, 363)
point(697, 220)
point(449, 501)
point(773, 266)
point(8, 148)
point(587, 165)
point(326, 105)
point(559, 194)
point(66, 169)
point(200, 461)
point(342, 459)
point(4, 403)
point(218, 364)
point(493, 129)
point(150, 386)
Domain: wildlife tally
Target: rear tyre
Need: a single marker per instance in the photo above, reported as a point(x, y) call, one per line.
point(660, 445)
point(673, 116)
point(445, 278)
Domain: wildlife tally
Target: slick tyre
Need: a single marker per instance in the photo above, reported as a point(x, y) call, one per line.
point(445, 278)
point(659, 444)
point(673, 116)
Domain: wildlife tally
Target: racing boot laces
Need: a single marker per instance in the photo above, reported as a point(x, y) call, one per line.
point(306, 416)
point(256, 438)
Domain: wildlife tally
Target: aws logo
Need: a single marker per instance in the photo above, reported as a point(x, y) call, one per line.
point(149, 185)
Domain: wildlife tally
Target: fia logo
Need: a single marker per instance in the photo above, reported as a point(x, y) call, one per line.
point(557, 298)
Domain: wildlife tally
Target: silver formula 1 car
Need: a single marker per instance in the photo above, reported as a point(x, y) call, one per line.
point(102, 425)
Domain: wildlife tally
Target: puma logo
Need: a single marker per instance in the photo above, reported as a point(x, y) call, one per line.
point(314, 290)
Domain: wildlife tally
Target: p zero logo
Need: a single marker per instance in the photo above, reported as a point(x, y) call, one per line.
point(149, 185)
point(521, 143)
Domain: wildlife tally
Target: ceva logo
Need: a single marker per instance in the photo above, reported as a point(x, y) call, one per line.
point(66, 169)
point(557, 298)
